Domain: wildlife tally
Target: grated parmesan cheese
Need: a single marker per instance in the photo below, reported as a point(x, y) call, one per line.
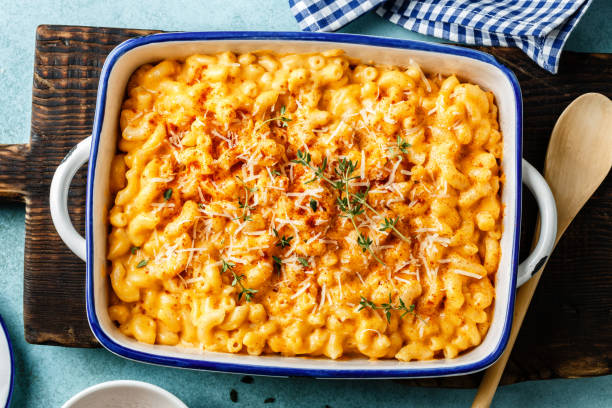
point(312, 239)
point(335, 132)
point(220, 136)
point(216, 214)
point(360, 278)
point(393, 170)
point(423, 77)
point(290, 222)
point(362, 168)
point(466, 273)
point(260, 232)
point(322, 302)
point(275, 188)
point(162, 205)
point(301, 290)
point(161, 179)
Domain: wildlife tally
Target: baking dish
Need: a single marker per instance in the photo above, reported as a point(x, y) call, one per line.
point(474, 66)
point(7, 366)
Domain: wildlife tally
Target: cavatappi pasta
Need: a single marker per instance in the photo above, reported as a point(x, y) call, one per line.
point(305, 205)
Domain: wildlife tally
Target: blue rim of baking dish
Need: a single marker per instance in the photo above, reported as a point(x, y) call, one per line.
point(10, 349)
point(271, 370)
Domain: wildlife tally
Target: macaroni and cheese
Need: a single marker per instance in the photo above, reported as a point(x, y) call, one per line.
point(305, 204)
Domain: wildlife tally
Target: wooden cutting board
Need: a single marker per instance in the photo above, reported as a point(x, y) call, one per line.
point(567, 333)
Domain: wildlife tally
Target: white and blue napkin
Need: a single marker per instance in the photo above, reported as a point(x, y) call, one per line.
point(538, 27)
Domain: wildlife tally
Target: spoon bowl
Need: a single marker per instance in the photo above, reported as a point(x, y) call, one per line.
point(579, 155)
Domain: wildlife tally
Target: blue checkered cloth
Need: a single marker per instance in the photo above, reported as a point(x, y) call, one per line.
point(538, 27)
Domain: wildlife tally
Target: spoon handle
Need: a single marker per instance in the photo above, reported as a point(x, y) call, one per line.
point(491, 378)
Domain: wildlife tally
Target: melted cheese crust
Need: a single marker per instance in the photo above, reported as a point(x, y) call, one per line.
point(203, 177)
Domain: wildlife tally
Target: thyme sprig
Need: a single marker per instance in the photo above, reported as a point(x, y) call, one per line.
point(402, 145)
point(389, 223)
point(349, 204)
point(284, 241)
point(225, 266)
point(352, 204)
point(246, 208)
point(248, 293)
point(282, 118)
point(388, 307)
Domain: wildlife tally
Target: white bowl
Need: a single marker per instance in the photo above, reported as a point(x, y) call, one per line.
point(474, 66)
point(124, 394)
point(7, 368)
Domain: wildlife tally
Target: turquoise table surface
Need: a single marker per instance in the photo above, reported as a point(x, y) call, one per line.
point(47, 376)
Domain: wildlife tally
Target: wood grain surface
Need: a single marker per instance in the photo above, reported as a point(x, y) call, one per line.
point(567, 332)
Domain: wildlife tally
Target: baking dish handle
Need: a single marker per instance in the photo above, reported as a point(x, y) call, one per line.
point(58, 197)
point(548, 224)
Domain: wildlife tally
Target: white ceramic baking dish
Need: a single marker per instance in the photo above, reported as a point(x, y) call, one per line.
point(470, 65)
point(7, 366)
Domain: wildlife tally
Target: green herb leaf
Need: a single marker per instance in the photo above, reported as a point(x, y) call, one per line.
point(387, 308)
point(313, 205)
point(389, 223)
point(403, 145)
point(167, 194)
point(282, 118)
point(134, 249)
point(244, 291)
point(245, 205)
point(237, 278)
point(244, 184)
point(303, 261)
point(246, 208)
point(364, 242)
point(284, 241)
point(365, 303)
point(225, 266)
point(247, 293)
point(142, 263)
point(302, 158)
point(406, 310)
point(349, 203)
point(278, 264)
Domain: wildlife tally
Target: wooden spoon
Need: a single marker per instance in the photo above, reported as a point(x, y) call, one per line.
point(578, 159)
